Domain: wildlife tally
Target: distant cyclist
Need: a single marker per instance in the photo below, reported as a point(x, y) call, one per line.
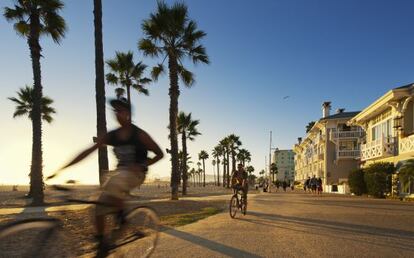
point(239, 181)
point(131, 145)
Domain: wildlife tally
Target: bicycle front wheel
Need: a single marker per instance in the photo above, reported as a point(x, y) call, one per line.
point(139, 233)
point(234, 206)
point(38, 237)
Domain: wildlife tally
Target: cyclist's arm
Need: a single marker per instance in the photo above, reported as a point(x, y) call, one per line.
point(100, 142)
point(151, 145)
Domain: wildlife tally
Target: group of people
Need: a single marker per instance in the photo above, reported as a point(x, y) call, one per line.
point(313, 185)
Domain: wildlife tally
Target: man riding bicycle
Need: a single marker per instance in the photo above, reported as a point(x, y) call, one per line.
point(131, 145)
point(239, 181)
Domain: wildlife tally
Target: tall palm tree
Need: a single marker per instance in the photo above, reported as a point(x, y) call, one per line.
point(170, 33)
point(243, 156)
point(273, 171)
point(34, 19)
point(217, 153)
point(203, 155)
point(100, 89)
point(213, 162)
point(187, 127)
point(234, 143)
point(127, 74)
point(225, 143)
point(250, 170)
point(24, 106)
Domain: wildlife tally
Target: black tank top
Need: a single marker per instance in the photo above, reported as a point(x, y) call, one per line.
point(129, 151)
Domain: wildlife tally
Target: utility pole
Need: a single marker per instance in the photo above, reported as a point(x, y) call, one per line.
point(270, 162)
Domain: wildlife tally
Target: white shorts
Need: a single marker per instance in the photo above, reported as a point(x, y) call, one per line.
point(122, 182)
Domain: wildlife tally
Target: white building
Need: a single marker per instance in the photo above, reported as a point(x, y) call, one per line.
point(284, 160)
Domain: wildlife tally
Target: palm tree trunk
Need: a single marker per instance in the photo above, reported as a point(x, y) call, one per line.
point(129, 97)
point(36, 177)
point(218, 172)
point(100, 90)
point(184, 163)
point(204, 174)
point(228, 169)
point(224, 169)
point(174, 93)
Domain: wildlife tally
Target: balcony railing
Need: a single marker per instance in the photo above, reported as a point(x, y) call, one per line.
point(346, 134)
point(406, 144)
point(379, 148)
point(348, 154)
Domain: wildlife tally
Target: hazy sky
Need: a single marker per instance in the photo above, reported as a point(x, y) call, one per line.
point(347, 52)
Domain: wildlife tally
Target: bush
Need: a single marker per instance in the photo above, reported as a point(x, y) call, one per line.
point(378, 178)
point(356, 182)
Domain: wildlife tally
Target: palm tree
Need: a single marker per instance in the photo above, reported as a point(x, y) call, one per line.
point(309, 126)
point(406, 174)
point(193, 175)
point(24, 106)
point(217, 152)
point(250, 170)
point(35, 19)
point(213, 162)
point(187, 127)
point(225, 143)
point(200, 173)
point(243, 156)
point(127, 74)
point(203, 155)
point(273, 170)
point(234, 143)
point(170, 33)
point(100, 89)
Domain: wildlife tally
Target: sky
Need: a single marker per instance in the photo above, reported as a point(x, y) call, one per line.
point(347, 52)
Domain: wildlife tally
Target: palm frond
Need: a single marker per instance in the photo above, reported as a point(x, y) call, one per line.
point(186, 76)
point(22, 28)
point(157, 71)
point(111, 78)
point(149, 48)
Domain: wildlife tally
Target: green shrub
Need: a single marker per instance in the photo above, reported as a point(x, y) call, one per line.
point(378, 178)
point(356, 182)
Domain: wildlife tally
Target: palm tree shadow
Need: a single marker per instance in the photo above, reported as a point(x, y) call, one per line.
point(401, 239)
point(209, 244)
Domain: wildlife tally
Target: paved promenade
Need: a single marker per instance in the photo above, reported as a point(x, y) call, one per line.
point(299, 225)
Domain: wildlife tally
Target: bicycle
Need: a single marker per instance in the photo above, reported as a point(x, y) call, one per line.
point(46, 236)
point(237, 202)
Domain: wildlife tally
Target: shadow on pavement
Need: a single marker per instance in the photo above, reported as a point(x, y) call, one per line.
point(214, 246)
point(403, 239)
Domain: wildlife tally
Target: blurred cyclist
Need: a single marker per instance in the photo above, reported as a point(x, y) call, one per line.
point(131, 145)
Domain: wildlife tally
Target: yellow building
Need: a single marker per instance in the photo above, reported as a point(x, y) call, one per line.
point(389, 127)
point(330, 150)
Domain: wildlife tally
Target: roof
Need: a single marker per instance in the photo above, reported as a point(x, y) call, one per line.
point(341, 115)
point(404, 87)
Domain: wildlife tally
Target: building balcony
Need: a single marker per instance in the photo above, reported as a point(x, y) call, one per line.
point(348, 154)
point(380, 148)
point(339, 135)
point(406, 144)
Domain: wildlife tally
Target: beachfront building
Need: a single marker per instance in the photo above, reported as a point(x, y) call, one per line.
point(330, 150)
point(284, 160)
point(389, 127)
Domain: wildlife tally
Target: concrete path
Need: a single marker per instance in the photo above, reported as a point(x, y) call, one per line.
point(299, 225)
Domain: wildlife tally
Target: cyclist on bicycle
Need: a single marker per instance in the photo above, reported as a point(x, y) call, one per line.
point(239, 181)
point(131, 145)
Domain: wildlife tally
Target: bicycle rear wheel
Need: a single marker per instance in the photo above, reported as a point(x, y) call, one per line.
point(138, 235)
point(38, 237)
point(234, 206)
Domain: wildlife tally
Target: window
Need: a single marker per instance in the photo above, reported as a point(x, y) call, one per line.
point(383, 129)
